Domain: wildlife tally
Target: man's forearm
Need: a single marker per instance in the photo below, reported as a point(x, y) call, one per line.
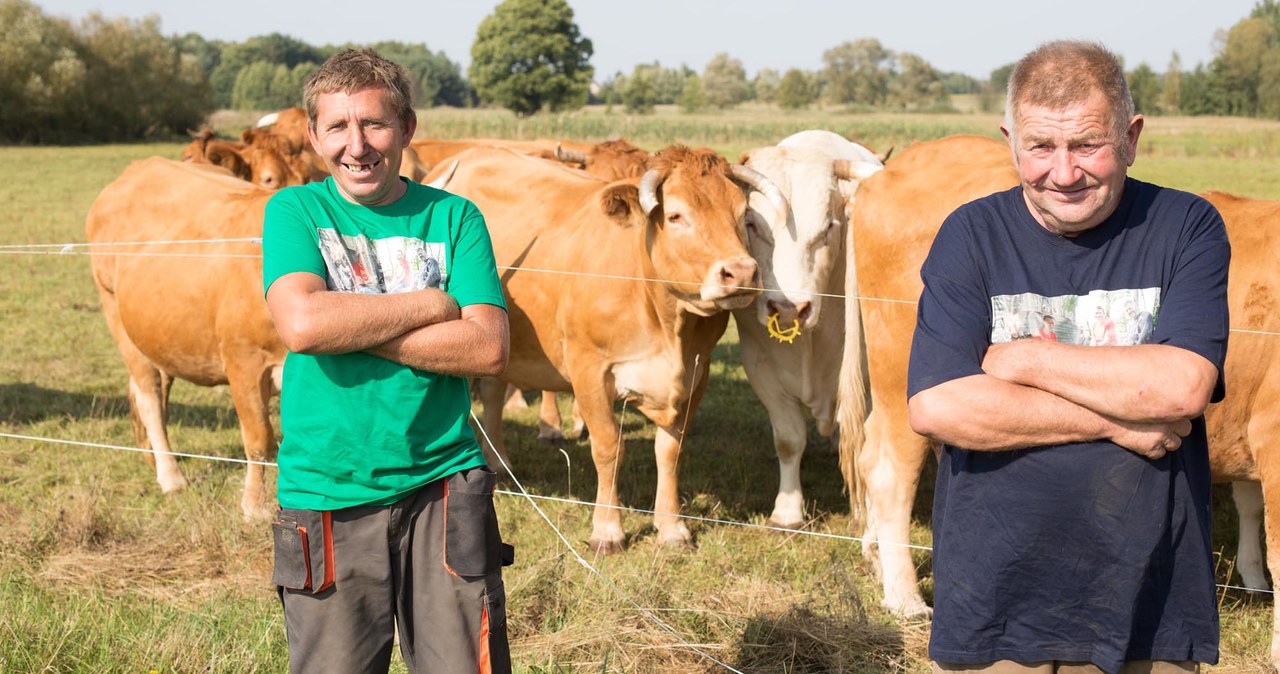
point(311, 319)
point(474, 346)
point(1143, 383)
point(983, 413)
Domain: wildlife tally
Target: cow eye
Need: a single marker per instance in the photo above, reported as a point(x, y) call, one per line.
point(675, 219)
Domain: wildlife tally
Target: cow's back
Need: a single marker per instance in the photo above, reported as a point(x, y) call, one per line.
point(539, 216)
point(183, 304)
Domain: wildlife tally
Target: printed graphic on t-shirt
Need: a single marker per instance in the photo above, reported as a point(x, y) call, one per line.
point(392, 265)
point(1101, 318)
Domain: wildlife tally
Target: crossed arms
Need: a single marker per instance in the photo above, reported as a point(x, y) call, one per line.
point(423, 329)
point(1035, 392)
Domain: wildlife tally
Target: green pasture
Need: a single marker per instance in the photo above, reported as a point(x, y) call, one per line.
point(99, 572)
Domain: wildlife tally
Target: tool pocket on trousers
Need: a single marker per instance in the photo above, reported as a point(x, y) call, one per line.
point(303, 546)
point(472, 544)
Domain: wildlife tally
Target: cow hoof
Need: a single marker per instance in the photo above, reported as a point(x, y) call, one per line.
point(605, 547)
point(551, 439)
point(912, 610)
point(679, 544)
point(583, 433)
point(173, 485)
point(777, 524)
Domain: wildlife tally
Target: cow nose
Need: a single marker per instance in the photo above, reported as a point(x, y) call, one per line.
point(789, 313)
point(740, 274)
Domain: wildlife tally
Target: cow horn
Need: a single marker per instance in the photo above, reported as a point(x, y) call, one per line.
point(852, 169)
point(649, 190)
point(268, 120)
point(567, 156)
point(757, 181)
point(884, 156)
point(445, 177)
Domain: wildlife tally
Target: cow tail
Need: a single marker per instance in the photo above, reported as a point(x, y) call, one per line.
point(853, 401)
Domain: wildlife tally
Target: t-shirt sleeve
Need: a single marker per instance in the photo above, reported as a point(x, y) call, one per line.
point(1193, 312)
point(474, 277)
point(953, 316)
point(289, 241)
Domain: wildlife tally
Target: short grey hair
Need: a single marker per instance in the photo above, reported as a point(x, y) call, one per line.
point(1062, 73)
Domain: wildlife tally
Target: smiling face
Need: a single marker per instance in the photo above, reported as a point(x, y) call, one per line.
point(362, 141)
point(1070, 162)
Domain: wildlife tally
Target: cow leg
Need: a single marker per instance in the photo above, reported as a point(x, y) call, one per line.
point(666, 506)
point(514, 399)
point(148, 400)
point(1248, 498)
point(492, 392)
point(580, 430)
point(252, 385)
point(891, 467)
point(549, 421)
point(789, 436)
point(606, 451)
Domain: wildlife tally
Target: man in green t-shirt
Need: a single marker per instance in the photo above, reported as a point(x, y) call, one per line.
point(386, 294)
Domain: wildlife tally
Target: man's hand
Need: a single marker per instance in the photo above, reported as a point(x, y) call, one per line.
point(1152, 440)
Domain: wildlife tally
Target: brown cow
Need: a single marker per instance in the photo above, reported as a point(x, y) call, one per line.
point(895, 217)
point(210, 326)
point(1243, 424)
point(668, 259)
point(260, 159)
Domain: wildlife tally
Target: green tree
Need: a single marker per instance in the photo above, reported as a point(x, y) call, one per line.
point(766, 85)
point(436, 79)
point(915, 84)
point(857, 72)
point(274, 48)
point(692, 99)
point(638, 94)
point(796, 90)
point(1144, 86)
point(1239, 64)
point(724, 81)
point(42, 69)
point(1172, 84)
point(528, 55)
point(960, 83)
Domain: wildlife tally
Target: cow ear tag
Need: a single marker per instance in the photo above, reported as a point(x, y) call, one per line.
point(783, 336)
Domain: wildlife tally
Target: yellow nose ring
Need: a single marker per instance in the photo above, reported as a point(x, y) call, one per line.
point(784, 336)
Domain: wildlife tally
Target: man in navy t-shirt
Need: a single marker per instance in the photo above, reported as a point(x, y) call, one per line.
point(1071, 514)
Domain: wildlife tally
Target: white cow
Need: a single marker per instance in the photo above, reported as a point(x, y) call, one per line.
point(802, 260)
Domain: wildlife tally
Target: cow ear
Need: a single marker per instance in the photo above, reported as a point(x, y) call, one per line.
point(230, 160)
point(621, 202)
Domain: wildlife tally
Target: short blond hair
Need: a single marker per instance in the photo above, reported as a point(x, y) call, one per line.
point(353, 69)
point(1059, 74)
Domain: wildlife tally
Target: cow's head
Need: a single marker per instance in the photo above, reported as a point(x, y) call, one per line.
point(799, 249)
point(693, 207)
point(610, 159)
point(273, 163)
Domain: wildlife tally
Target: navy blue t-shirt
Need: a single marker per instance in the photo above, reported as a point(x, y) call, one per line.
point(1081, 552)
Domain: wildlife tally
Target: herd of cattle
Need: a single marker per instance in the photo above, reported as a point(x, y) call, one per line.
point(814, 245)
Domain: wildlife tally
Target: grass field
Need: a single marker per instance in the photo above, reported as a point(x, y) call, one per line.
point(99, 572)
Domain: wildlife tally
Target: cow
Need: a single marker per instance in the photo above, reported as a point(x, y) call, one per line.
point(794, 332)
point(611, 159)
point(616, 290)
point(260, 159)
point(1243, 426)
point(895, 217)
point(210, 326)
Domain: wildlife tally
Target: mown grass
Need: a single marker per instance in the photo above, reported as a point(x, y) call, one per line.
point(99, 572)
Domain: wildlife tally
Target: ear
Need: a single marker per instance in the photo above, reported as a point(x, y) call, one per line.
point(230, 160)
point(621, 203)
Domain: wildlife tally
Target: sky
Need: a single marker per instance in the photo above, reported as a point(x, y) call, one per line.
point(972, 37)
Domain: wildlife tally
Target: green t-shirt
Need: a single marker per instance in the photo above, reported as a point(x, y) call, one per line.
point(359, 429)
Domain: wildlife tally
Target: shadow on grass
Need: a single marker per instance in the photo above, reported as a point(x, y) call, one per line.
point(26, 403)
point(801, 640)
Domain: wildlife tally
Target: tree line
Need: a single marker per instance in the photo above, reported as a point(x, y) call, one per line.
point(102, 79)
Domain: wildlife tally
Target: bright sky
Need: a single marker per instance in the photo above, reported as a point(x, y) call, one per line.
point(972, 37)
